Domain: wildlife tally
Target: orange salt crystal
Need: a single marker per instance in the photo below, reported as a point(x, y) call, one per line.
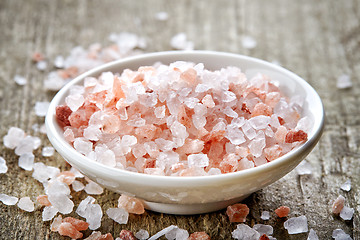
point(272, 99)
point(106, 236)
point(272, 153)
point(177, 167)
point(338, 205)
point(245, 109)
point(80, 225)
point(189, 76)
point(62, 115)
point(237, 212)
point(282, 211)
point(43, 200)
point(67, 177)
point(67, 229)
point(56, 223)
point(264, 237)
point(149, 163)
point(280, 134)
point(229, 163)
point(295, 136)
point(37, 57)
point(78, 118)
point(131, 204)
point(208, 101)
point(111, 123)
point(261, 109)
point(126, 235)
point(148, 131)
point(214, 136)
point(281, 120)
point(199, 236)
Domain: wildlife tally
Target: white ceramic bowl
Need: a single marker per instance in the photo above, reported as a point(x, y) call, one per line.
point(193, 195)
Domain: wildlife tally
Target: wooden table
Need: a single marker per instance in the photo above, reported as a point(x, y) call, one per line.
point(317, 40)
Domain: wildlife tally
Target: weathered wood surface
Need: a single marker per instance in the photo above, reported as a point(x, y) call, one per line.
point(318, 40)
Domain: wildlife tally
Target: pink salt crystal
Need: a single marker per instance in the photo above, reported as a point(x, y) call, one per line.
point(110, 123)
point(37, 57)
point(272, 153)
point(77, 223)
point(199, 236)
point(106, 236)
point(126, 235)
point(67, 229)
point(338, 205)
point(282, 211)
point(69, 135)
point(230, 163)
point(66, 177)
point(272, 99)
point(280, 134)
point(296, 136)
point(56, 223)
point(208, 101)
point(43, 200)
point(148, 131)
point(264, 237)
point(131, 204)
point(237, 212)
point(261, 109)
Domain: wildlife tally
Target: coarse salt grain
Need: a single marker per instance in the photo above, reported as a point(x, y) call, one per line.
point(237, 212)
point(93, 188)
point(344, 81)
point(162, 232)
point(26, 204)
point(263, 229)
point(142, 234)
point(26, 161)
point(347, 213)
point(41, 108)
point(296, 225)
point(119, 215)
point(338, 205)
point(312, 235)
point(162, 16)
point(20, 80)
point(3, 166)
point(304, 168)
point(8, 200)
point(265, 215)
point(244, 232)
point(282, 211)
point(339, 234)
point(346, 186)
point(248, 42)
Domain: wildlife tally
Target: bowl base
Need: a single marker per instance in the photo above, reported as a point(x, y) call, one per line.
point(190, 209)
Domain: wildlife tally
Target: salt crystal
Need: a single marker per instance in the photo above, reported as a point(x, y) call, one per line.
point(248, 42)
point(296, 225)
point(77, 186)
point(56, 223)
point(228, 96)
point(26, 161)
point(198, 160)
point(131, 204)
point(13, 137)
point(346, 186)
point(263, 229)
point(312, 235)
point(49, 213)
point(191, 102)
point(160, 111)
point(162, 16)
point(338, 205)
point(237, 212)
point(105, 156)
point(41, 65)
point(339, 234)
point(162, 232)
point(92, 133)
point(248, 130)
point(81, 209)
point(180, 42)
point(256, 146)
point(20, 80)
point(202, 88)
point(55, 186)
point(74, 101)
point(96, 235)
point(26, 204)
point(259, 122)
point(177, 234)
point(48, 151)
point(235, 135)
point(83, 146)
point(178, 130)
point(76, 173)
point(265, 215)
point(43, 173)
point(119, 215)
point(128, 140)
point(53, 82)
point(214, 171)
point(41, 108)
point(304, 168)
point(347, 213)
point(230, 113)
point(27, 145)
point(61, 202)
point(93, 188)
point(282, 211)
point(142, 234)
point(3, 167)
point(344, 81)
point(8, 200)
point(59, 62)
point(93, 216)
point(244, 232)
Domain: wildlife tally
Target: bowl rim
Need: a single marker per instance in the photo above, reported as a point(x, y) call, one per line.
point(63, 147)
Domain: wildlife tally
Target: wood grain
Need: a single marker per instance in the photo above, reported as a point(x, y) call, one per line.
point(317, 40)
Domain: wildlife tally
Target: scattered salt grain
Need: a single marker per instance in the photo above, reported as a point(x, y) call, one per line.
point(339, 234)
point(27, 145)
point(344, 81)
point(248, 42)
point(8, 200)
point(41, 108)
point(296, 225)
point(180, 42)
point(93, 188)
point(131, 204)
point(162, 232)
point(304, 168)
point(77, 186)
point(3, 167)
point(26, 161)
point(237, 212)
point(312, 235)
point(26, 204)
point(48, 213)
point(119, 215)
point(59, 62)
point(142, 234)
point(338, 205)
point(263, 229)
point(177, 234)
point(126, 235)
point(13, 137)
point(61, 202)
point(347, 213)
point(41, 65)
point(244, 232)
point(199, 236)
point(93, 216)
point(265, 215)
point(346, 186)
point(162, 16)
point(282, 211)
point(20, 80)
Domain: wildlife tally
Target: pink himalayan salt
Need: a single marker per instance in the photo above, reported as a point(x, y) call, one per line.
point(199, 236)
point(131, 204)
point(282, 211)
point(56, 223)
point(338, 205)
point(273, 152)
point(126, 235)
point(295, 136)
point(67, 229)
point(43, 200)
point(37, 57)
point(98, 236)
point(77, 223)
point(237, 212)
point(264, 237)
point(66, 177)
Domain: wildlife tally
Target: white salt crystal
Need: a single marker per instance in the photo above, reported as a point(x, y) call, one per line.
point(95, 235)
point(41, 65)
point(81, 209)
point(296, 225)
point(180, 42)
point(74, 101)
point(248, 42)
point(61, 202)
point(26, 161)
point(228, 96)
point(41, 108)
point(263, 229)
point(259, 122)
point(244, 232)
point(160, 111)
point(128, 140)
point(13, 137)
point(27, 145)
point(228, 111)
point(256, 146)
point(344, 81)
point(162, 232)
point(265, 215)
point(304, 168)
point(162, 16)
point(214, 171)
point(177, 234)
point(339, 234)
point(346, 186)
point(234, 134)
point(93, 188)
point(76, 172)
point(164, 145)
point(26, 204)
point(8, 200)
point(198, 160)
point(92, 132)
point(312, 235)
point(199, 121)
point(20, 80)
point(119, 215)
point(178, 130)
point(48, 151)
point(200, 88)
point(54, 82)
point(55, 186)
point(83, 146)
point(3, 167)
point(142, 234)
point(190, 102)
point(347, 213)
point(304, 124)
point(248, 130)
point(93, 216)
point(48, 213)
point(42, 172)
point(77, 186)
point(105, 156)
point(59, 62)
